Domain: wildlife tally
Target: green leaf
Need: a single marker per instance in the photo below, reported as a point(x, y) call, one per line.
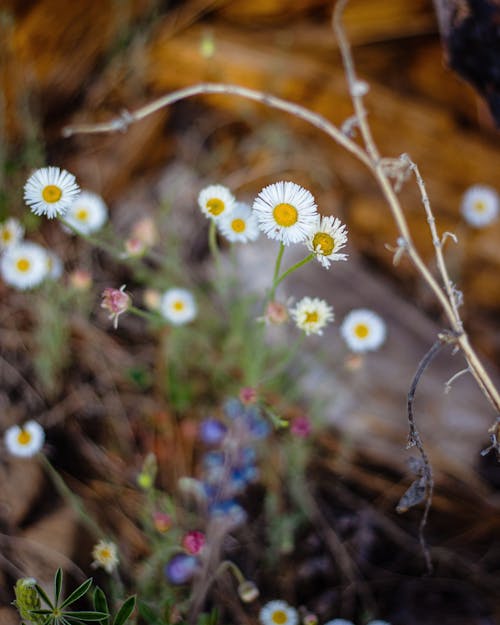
point(43, 595)
point(57, 585)
point(76, 594)
point(101, 603)
point(86, 616)
point(125, 611)
point(148, 614)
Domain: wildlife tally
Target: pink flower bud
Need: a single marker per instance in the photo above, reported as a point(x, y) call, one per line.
point(248, 395)
point(116, 302)
point(276, 313)
point(80, 279)
point(301, 426)
point(162, 521)
point(145, 231)
point(193, 542)
point(135, 247)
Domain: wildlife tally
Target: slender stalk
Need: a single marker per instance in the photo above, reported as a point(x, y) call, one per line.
point(293, 268)
point(212, 244)
point(277, 266)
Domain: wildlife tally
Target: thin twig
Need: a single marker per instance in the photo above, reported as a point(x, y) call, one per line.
point(414, 439)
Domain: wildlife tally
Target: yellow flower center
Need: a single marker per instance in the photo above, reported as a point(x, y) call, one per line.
point(324, 242)
point(6, 235)
point(105, 554)
point(285, 215)
point(51, 193)
point(479, 206)
point(361, 331)
point(82, 214)
point(24, 437)
point(178, 305)
point(238, 225)
point(23, 264)
point(311, 317)
point(279, 617)
point(215, 206)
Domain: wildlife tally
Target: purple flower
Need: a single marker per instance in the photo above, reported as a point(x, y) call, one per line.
point(181, 568)
point(212, 431)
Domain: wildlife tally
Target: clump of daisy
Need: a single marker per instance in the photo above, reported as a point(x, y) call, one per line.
point(50, 191)
point(26, 440)
point(116, 302)
point(24, 265)
point(480, 205)
point(285, 211)
point(215, 201)
point(278, 612)
point(87, 214)
point(363, 330)
point(178, 306)
point(312, 314)
point(240, 225)
point(11, 233)
point(105, 554)
point(326, 238)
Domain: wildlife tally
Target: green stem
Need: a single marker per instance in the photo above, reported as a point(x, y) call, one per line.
point(143, 313)
point(93, 240)
point(276, 271)
point(304, 261)
point(212, 243)
point(74, 500)
point(280, 366)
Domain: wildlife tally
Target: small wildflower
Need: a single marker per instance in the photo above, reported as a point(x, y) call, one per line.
point(312, 314)
point(162, 521)
point(248, 591)
point(216, 201)
point(310, 619)
point(134, 247)
point(248, 395)
point(480, 205)
point(145, 231)
point(151, 299)
point(105, 556)
point(181, 568)
point(285, 211)
point(116, 302)
point(240, 225)
point(278, 612)
point(24, 441)
point(50, 191)
point(178, 306)
point(193, 542)
point(88, 213)
point(11, 233)
point(363, 330)
point(326, 238)
point(80, 279)
point(276, 313)
point(301, 426)
point(212, 431)
point(24, 265)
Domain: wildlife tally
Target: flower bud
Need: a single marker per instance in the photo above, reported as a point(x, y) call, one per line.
point(181, 568)
point(248, 591)
point(116, 302)
point(193, 542)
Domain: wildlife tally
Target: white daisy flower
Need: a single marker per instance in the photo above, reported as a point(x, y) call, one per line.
point(216, 201)
point(50, 191)
point(25, 441)
point(286, 212)
point(24, 266)
point(363, 330)
point(240, 225)
point(480, 205)
point(105, 555)
point(326, 239)
point(11, 233)
point(278, 612)
point(339, 621)
point(88, 213)
point(312, 315)
point(178, 306)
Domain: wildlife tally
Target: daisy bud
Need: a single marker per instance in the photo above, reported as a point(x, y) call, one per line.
point(80, 279)
point(193, 542)
point(248, 591)
point(151, 299)
point(116, 302)
point(145, 231)
point(276, 313)
point(162, 521)
point(310, 619)
point(135, 247)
